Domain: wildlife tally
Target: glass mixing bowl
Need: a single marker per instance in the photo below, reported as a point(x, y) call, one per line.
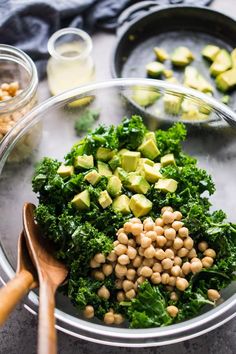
point(212, 140)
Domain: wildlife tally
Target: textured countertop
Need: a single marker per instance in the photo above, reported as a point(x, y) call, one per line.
point(20, 332)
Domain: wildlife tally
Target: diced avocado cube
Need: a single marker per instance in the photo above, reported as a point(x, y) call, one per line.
point(103, 169)
point(182, 56)
point(233, 58)
point(221, 63)
point(150, 135)
point(140, 205)
point(225, 99)
point(104, 154)
point(121, 174)
point(114, 186)
point(193, 79)
point(92, 177)
point(84, 161)
point(173, 80)
point(138, 184)
point(145, 97)
point(168, 73)
point(161, 54)
point(226, 80)
point(114, 162)
point(210, 51)
point(167, 159)
point(65, 171)
point(172, 103)
point(167, 185)
point(129, 160)
point(146, 161)
point(122, 151)
point(157, 166)
point(154, 69)
point(149, 149)
point(104, 199)
point(82, 200)
point(121, 204)
point(151, 173)
point(194, 115)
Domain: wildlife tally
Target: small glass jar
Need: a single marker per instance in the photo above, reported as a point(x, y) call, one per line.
point(16, 66)
point(71, 63)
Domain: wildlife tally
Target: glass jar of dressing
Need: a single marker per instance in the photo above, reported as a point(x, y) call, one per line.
point(70, 64)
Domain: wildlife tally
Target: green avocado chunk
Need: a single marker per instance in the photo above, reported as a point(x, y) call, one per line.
point(138, 184)
point(121, 204)
point(222, 63)
point(114, 162)
point(167, 185)
point(121, 174)
point(65, 171)
point(92, 177)
point(104, 154)
point(144, 97)
point(129, 160)
point(193, 79)
point(225, 99)
point(233, 58)
point(172, 103)
point(84, 161)
point(151, 173)
point(82, 200)
point(150, 136)
point(114, 186)
point(104, 199)
point(161, 54)
point(103, 169)
point(167, 159)
point(149, 149)
point(226, 80)
point(182, 56)
point(168, 73)
point(140, 205)
point(154, 69)
point(210, 51)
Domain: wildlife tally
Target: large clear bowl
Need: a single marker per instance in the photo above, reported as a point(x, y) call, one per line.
point(49, 128)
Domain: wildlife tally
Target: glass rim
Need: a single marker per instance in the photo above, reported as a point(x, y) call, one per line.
point(69, 30)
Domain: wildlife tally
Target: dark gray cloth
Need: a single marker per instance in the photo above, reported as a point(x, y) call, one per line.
point(28, 24)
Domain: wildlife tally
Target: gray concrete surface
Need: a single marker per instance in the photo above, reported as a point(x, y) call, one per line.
point(20, 332)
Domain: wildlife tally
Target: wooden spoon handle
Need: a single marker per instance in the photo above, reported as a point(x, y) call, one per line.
point(12, 292)
point(47, 338)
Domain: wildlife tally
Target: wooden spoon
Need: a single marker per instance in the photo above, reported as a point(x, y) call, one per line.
point(51, 274)
point(24, 280)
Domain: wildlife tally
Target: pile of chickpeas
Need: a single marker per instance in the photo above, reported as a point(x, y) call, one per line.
point(10, 90)
point(161, 251)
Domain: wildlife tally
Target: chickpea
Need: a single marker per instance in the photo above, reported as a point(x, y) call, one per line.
point(137, 261)
point(120, 270)
point(170, 234)
point(152, 235)
point(175, 270)
point(123, 259)
point(139, 238)
point(166, 208)
point(139, 270)
point(131, 252)
point(118, 318)
point(213, 294)
point(178, 261)
point(141, 279)
point(196, 266)
point(167, 226)
point(194, 259)
point(160, 254)
point(137, 229)
point(118, 283)
point(5, 87)
point(109, 318)
point(207, 262)
point(120, 249)
point(120, 296)
point(131, 273)
point(209, 253)
point(131, 243)
point(168, 217)
point(181, 284)
point(123, 238)
point(107, 269)
point(157, 267)
point(149, 252)
point(145, 242)
point(98, 275)
point(112, 257)
point(161, 241)
point(141, 251)
point(178, 243)
point(156, 278)
point(172, 310)
point(186, 268)
point(183, 232)
point(135, 221)
point(169, 253)
point(159, 222)
point(146, 272)
point(182, 252)
point(165, 278)
point(99, 258)
point(115, 243)
point(178, 215)
point(149, 219)
point(94, 264)
point(192, 253)
point(148, 262)
point(104, 293)
point(172, 280)
point(130, 294)
point(202, 246)
point(188, 243)
point(174, 296)
point(128, 227)
point(167, 263)
point(159, 230)
point(121, 230)
point(127, 285)
point(13, 87)
point(149, 226)
point(177, 225)
point(88, 311)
